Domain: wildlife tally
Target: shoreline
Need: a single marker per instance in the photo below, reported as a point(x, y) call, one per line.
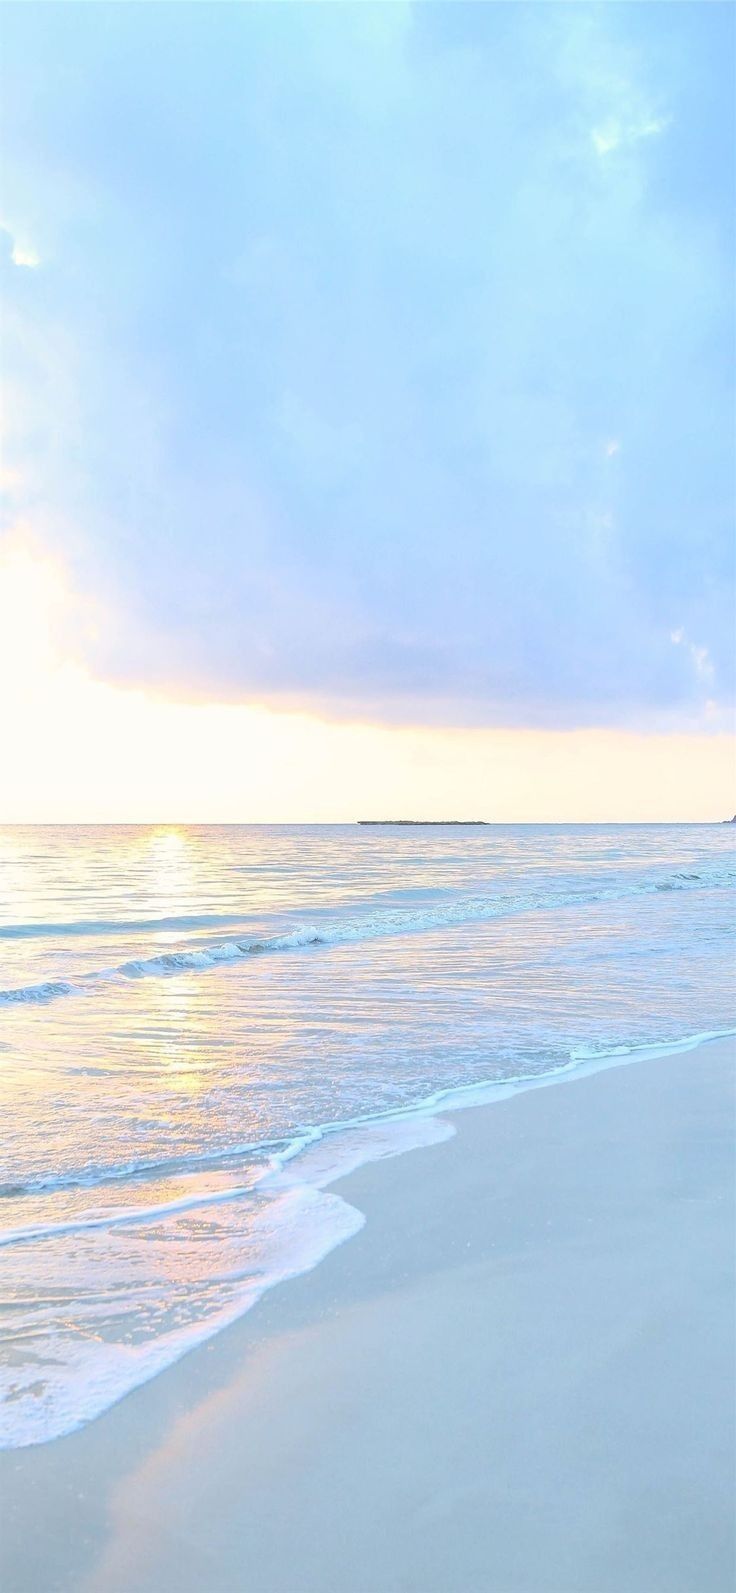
point(300, 1178)
point(185, 1453)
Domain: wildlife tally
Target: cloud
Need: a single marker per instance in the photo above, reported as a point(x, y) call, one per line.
point(702, 664)
point(615, 133)
point(334, 315)
point(25, 257)
point(18, 250)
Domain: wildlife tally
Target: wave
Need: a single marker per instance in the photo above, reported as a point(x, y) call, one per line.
point(582, 1061)
point(296, 1229)
point(388, 922)
point(82, 1380)
point(47, 991)
point(97, 1176)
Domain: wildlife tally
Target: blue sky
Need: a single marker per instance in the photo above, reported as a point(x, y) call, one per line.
point(376, 360)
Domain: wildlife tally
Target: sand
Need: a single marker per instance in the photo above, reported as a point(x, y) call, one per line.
point(518, 1377)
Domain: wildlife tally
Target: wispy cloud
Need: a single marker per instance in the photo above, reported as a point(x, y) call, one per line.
point(19, 250)
point(339, 329)
point(702, 663)
point(615, 133)
point(21, 256)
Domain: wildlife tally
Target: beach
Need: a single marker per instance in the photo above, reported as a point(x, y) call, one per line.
point(367, 859)
point(518, 1377)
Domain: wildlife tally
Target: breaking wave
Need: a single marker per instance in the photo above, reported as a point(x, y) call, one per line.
point(47, 991)
point(389, 922)
point(582, 1060)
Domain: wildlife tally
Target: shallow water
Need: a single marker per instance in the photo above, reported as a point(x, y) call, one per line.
point(183, 1010)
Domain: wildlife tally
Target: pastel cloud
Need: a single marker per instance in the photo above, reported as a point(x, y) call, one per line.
point(614, 132)
point(21, 255)
point(702, 663)
point(336, 308)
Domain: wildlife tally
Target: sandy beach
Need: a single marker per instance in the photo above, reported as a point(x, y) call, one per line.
point(517, 1377)
point(367, 833)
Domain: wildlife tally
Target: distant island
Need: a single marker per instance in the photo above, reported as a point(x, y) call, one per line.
point(423, 822)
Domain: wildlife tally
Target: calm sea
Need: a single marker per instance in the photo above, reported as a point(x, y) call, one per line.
point(192, 1019)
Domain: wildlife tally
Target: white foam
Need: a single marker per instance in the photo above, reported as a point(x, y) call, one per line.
point(385, 923)
point(49, 990)
point(299, 1226)
point(330, 1158)
point(66, 1386)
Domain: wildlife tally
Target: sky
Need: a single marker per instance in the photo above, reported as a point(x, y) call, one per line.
point(368, 410)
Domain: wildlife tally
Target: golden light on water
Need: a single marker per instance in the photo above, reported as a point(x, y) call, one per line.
point(169, 869)
point(181, 1061)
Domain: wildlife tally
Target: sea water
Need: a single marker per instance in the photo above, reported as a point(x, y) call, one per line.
point(202, 1027)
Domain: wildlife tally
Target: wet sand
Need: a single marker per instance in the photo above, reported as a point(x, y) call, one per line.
point(517, 1378)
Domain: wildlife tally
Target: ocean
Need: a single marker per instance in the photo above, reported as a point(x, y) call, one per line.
point(201, 1027)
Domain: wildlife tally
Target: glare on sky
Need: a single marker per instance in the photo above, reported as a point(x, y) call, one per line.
point(113, 753)
point(413, 488)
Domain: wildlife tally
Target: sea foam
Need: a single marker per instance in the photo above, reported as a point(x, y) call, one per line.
point(302, 1222)
point(363, 927)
